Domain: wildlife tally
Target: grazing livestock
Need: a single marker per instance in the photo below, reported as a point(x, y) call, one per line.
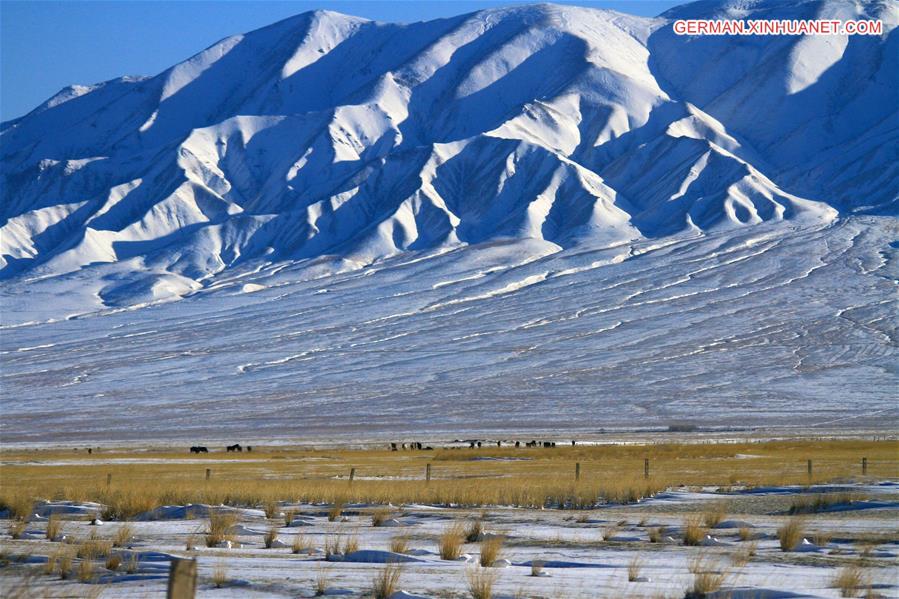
point(235, 447)
point(393, 447)
point(198, 449)
point(517, 444)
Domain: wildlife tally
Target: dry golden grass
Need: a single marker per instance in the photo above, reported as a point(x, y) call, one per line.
point(656, 534)
point(543, 480)
point(271, 535)
point(54, 527)
point(745, 533)
point(707, 577)
point(321, 581)
point(481, 582)
point(300, 544)
point(113, 561)
point(220, 523)
point(451, 542)
point(133, 563)
point(380, 516)
point(821, 538)
point(819, 502)
point(791, 534)
point(714, 515)
point(386, 581)
point(694, 531)
point(474, 531)
point(17, 528)
point(64, 564)
point(744, 554)
point(634, 568)
point(220, 575)
point(351, 544)
point(850, 580)
point(490, 550)
point(94, 548)
point(399, 543)
point(335, 511)
point(86, 570)
point(608, 532)
point(272, 509)
point(123, 535)
point(331, 546)
point(289, 515)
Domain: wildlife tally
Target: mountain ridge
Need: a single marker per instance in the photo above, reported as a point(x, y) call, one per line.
point(330, 136)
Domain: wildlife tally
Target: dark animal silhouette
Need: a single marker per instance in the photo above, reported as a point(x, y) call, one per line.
point(198, 449)
point(393, 447)
point(235, 447)
point(517, 444)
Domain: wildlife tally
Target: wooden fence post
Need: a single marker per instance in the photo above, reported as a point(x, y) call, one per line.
point(809, 468)
point(645, 467)
point(108, 479)
point(182, 579)
point(864, 466)
point(208, 473)
point(577, 471)
point(352, 474)
point(428, 473)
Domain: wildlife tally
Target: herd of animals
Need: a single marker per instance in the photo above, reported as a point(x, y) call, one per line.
point(415, 445)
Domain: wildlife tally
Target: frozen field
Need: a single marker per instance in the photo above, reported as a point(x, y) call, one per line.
point(585, 554)
point(776, 325)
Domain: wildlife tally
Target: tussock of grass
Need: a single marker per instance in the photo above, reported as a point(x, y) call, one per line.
point(289, 515)
point(745, 533)
point(656, 534)
point(94, 548)
point(474, 531)
point(694, 531)
point(20, 506)
point(386, 581)
point(17, 529)
point(133, 563)
point(64, 564)
point(220, 575)
point(791, 534)
point(271, 535)
point(220, 523)
point(850, 580)
point(380, 516)
point(481, 582)
point(744, 554)
point(821, 538)
point(490, 551)
point(123, 535)
point(335, 511)
point(86, 570)
point(300, 544)
point(113, 562)
point(351, 544)
point(272, 509)
point(321, 582)
point(332, 545)
point(399, 544)
point(608, 533)
point(54, 527)
point(707, 578)
point(634, 568)
point(714, 515)
point(451, 542)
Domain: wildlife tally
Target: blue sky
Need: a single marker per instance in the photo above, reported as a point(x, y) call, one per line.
point(46, 45)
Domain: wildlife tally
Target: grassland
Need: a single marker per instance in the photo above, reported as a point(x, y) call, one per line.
point(532, 477)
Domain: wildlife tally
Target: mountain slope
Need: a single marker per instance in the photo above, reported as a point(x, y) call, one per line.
point(326, 135)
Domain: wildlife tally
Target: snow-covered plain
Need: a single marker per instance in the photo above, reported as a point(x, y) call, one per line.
point(578, 562)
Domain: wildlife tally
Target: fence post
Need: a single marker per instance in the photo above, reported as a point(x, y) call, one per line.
point(810, 468)
point(208, 473)
point(645, 467)
point(864, 466)
point(352, 474)
point(577, 471)
point(182, 579)
point(428, 473)
point(108, 479)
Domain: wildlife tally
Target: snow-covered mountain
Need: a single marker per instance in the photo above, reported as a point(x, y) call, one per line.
point(526, 219)
point(330, 135)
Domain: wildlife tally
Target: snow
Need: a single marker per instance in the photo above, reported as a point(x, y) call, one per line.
point(575, 562)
